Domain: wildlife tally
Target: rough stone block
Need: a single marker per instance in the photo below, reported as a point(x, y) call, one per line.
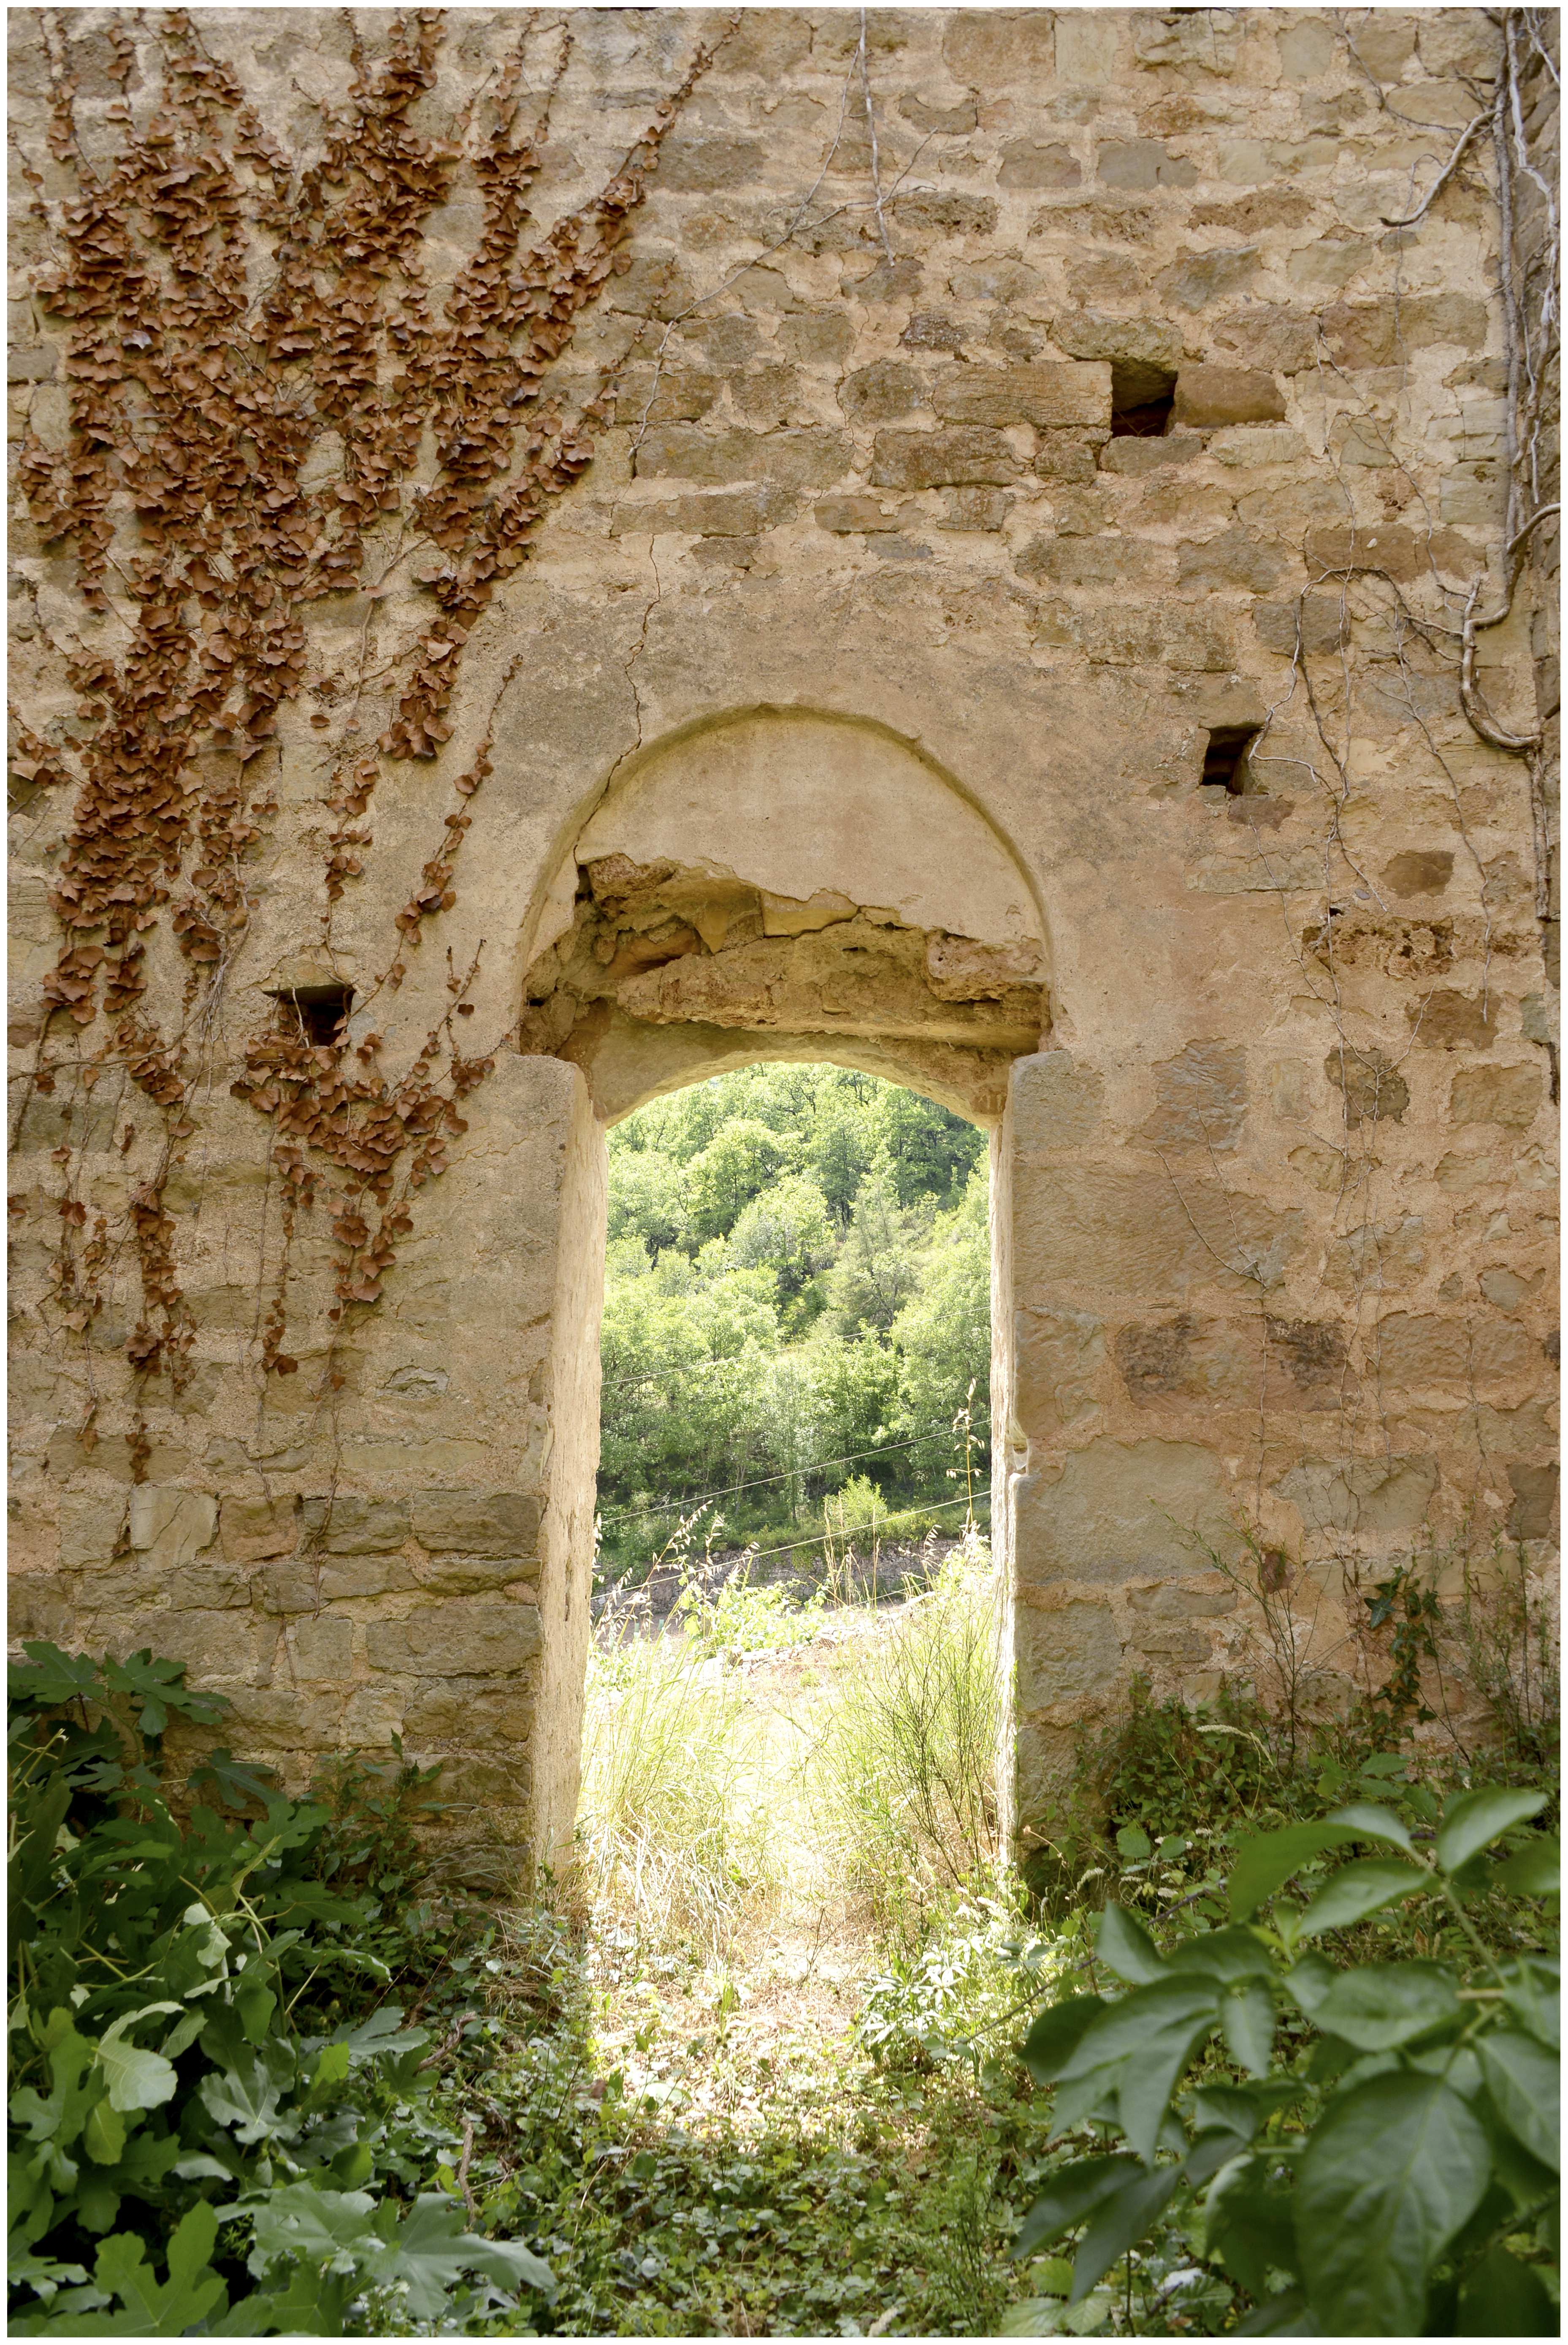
point(937, 460)
point(441, 1641)
point(1320, 618)
point(1200, 278)
point(794, 459)
point(1056, 1102)
point(1135, 456)
point(1278, 341)
point(1038, 163)
point(844, 515)
point(1170, 1644)
point(977, 509)
point(1534, 1501)
point(171, 1527)
point(1415, 1350)
point(323, 1646)
point(1058, 1360)
point(1450, 1020)
point(1505, 1095)
point(209, 1586)
point(212, 1645)
point(1130, 1233)
point(1124, 1511)
point(1049, 395)
point(717, 513)
point(39, 1605)
point(471, 1575)
point(1375, 1092)
point(1097, 562)
point(347, 1524)
point(1376, 334)
point(1143, 163)
point(1200, 1098)
point(91, 1530)
point(1211, 397)
point(477, 1522)
point(929, 216)
point(1172, 1603)
point(992, 51)
point(881, 392)
point(1371, 1496)
point(255, 1530)
point(470, 1712)
point(1418, 871)
point(1065, 1654)
point(1378, 1258)
point(692, 166)
point(1186, 1360)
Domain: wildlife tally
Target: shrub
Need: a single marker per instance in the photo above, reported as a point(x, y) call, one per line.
point(182, 2096)
point(1392, 2170)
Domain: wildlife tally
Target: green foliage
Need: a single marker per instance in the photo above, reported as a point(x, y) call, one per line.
point(1391, 2143)
point(903, 1770)
point(797, 1288)
point(200, 2035)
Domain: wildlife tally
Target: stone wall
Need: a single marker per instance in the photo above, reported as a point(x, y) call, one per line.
point(1037, 402)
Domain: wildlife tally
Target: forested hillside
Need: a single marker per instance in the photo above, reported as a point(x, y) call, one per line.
point(797, 1296)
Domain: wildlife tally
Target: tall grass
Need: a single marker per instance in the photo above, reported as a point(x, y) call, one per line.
point(671, 1836)
point(901, 1777)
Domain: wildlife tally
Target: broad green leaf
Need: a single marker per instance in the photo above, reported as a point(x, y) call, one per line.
point(428, 2253)
point(1367, 1821)
point(1117, 2223)
point(137, 2079)
point(1383, 2005)
point(1533, 1871)
point(1530, 1989)
point(1250, 2224)
point(1069, 2197)
point(1363, 1887)
point(1264, 1864)
point(322, 2225)
point(1134, 1844)
point(1472, 1819)
point(104, 2135)
point(1033, 2316)
point(247, 2097)
point(1393, 2168)
point(1125, 1947)
point(1522, 2079)
point(1310, 1980)
point(1149, 2037)
point(1504, 2297)
point(1247, 2023)
point(1233, 1956)
point(1049, 2043)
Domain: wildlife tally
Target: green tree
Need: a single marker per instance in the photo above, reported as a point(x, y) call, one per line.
point(739, 1162)
point(789, 1231)
point(943, 1334)
point(877, 1268)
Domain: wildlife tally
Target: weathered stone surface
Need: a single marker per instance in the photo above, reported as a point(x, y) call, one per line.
point(252, 1530)
point(347, 1524)
point(688, 166)
point(1418, 871)
point(1530, 1516)
point(934, 460)
point(1421, 1349)
point(1186, 1360)
point(1505, 1095)
point(171, 1527)
point(1316, 622)
point(1201, 1097)
point(323, 1646)
point(468, 1711)
point(1126, 1510)
point(1134, 1233)
point(1211, 397)
point(1448, 1020)
point(806, 459)
point(1056, 1102)
point(1139, 456)
point(1059, 1355)
point(1047, 395)
point(1373, 1497)
point(1094, 562)
point(1375, 1092)
point(1067, 1652)
point(1201, 277)
point(476, 1522)
point(879, 392)
point(444, 1640)
point(1143, 163)
point(1374, 333)
point(991, 50)
point(716, 513)
point(1173, 1602)
point(1038, 163)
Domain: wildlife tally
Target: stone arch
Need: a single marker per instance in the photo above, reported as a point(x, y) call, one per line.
point(773, 883)
point(783, 883)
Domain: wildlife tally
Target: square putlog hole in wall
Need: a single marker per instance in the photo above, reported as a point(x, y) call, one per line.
point(1141, 398)
point(319, 1013)
point(1225, 758)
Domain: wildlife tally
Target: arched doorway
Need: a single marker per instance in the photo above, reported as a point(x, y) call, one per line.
point(776, 884)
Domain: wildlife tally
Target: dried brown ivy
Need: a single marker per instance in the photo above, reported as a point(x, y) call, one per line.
point(194, 406)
